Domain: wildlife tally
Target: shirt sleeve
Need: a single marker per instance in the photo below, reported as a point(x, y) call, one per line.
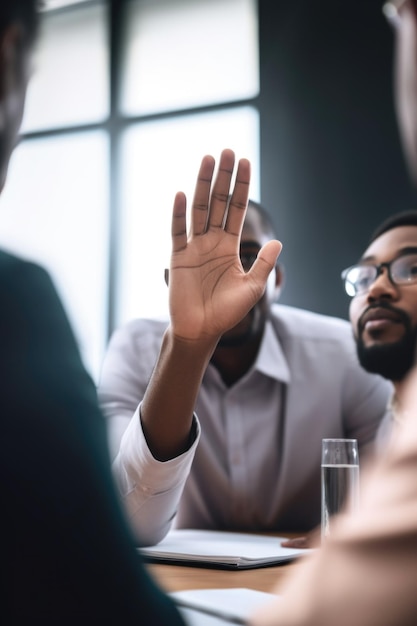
point(126, 370)
point(151, 489)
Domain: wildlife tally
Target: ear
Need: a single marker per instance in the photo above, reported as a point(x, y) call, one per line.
point(11, 58)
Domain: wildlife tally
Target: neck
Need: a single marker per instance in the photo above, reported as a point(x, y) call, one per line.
point(233, 362)
point(397, 403)
point(399, 387)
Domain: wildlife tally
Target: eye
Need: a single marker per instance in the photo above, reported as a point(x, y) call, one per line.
point(361, 277)
point(406, 268)
point(363, 282)
point(412, 266)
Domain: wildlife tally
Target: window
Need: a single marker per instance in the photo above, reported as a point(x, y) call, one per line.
point(171, 62)
point(160, 158)
point(91, 185)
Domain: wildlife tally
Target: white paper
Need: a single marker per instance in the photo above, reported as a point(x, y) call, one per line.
point(233, 605)
point(196, 618)
point(242, 550)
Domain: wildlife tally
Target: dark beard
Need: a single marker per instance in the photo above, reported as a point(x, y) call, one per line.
point(252, 332)
point(392, 360)
point(238, 340)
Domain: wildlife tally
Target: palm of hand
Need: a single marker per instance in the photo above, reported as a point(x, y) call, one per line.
point(210, 292)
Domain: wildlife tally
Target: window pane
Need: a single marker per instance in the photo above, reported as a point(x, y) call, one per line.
point(159, 159)
point(182, 53)
point(59, 218)
point(47, 5)
point(70, 82)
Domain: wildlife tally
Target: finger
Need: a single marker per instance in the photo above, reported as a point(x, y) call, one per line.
point(265, 261)
point(201, 198)
point(178, 224)
point(239, 199)
point(221, 188)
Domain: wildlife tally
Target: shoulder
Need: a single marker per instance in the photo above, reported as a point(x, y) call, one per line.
point(294, 322)
point(305, 336)
point(35, 335)
point(325, 345)
point(141, 329)
point(13, 268)
point(25, 287)
point(132, 353)
point(140, 335)
point(31, 313)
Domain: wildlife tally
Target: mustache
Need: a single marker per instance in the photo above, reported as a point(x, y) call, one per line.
point(402, 317)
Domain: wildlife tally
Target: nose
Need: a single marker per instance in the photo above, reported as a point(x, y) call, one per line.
point(382, 287)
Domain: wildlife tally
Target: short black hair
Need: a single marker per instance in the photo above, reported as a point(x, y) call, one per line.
point(266, 219)
point(404, 218)
point(24, 11)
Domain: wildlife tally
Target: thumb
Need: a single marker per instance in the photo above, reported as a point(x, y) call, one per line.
point(266, 260)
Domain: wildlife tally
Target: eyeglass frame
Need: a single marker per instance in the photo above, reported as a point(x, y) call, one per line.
point(378, 269)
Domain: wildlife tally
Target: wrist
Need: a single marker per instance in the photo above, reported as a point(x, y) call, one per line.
point(196, 349)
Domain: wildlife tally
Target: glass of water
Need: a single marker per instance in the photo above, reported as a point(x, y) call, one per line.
point(339, 479)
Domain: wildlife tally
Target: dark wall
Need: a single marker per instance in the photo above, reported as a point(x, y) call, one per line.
point(332, 165)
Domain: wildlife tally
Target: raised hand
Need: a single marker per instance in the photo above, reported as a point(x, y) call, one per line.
point(209, 290)
point(209, 293)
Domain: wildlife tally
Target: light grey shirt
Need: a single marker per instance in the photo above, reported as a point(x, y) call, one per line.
point(255, 461)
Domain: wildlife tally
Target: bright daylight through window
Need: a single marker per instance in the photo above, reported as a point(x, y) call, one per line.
point(118, 123)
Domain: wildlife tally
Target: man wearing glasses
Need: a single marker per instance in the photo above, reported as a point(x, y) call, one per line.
point(365, 573)
point(383, 311)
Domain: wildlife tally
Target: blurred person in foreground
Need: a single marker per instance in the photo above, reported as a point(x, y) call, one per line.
point(276, 384)
point(365, 573)
point(68, 555)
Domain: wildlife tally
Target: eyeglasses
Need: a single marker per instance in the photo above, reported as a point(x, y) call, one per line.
point(358, 279)
point(392, 11)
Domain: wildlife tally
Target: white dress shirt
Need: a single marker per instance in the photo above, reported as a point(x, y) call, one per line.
point(255, 461)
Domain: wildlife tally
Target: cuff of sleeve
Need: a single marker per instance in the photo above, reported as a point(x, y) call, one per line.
point(137, 468)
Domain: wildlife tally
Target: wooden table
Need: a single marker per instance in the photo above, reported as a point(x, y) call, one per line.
point(180, 577)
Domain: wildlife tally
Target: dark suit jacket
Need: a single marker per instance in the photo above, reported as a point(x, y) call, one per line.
point(67, 555)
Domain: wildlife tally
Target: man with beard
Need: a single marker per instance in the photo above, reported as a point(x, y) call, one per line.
point(383, 310)
point(277, 383)
point(365, 573)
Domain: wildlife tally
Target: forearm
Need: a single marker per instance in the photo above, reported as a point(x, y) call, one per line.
point(168, 405)
point(150, 490)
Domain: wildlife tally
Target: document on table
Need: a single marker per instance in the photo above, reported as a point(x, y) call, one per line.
point(215, 548)
point(215, 607)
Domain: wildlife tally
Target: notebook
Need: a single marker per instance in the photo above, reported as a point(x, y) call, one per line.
point(214, 548)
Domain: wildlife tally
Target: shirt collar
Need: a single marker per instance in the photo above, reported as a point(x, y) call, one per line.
point(271, 359)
